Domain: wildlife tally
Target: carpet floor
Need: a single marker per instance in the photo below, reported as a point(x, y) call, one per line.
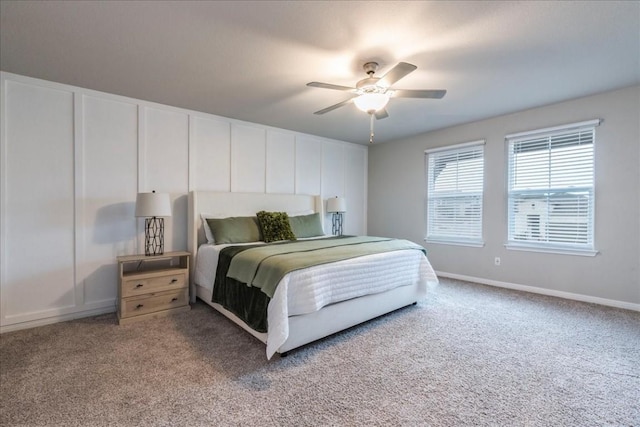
point(469, 355)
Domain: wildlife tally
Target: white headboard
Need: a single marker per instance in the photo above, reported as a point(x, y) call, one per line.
point(239, 204)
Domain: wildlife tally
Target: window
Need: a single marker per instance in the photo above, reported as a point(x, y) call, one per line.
point(550, 186)
point(455, 180)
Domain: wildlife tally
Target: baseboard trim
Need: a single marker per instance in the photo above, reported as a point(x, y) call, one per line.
point(56, 319)
point(543, 291)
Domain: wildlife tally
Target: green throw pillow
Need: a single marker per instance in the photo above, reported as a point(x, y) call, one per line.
point(306, 225)
point(237, 229)
point(275, 226)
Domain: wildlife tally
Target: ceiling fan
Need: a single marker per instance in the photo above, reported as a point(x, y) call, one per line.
point(372, 94)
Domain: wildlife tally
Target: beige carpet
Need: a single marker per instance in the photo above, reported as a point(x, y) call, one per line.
point(469, 355)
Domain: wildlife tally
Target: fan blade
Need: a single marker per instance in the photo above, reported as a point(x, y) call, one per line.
point(396, 73)
point(333, 107)
point(406, 93)
point(382, 114)
point(329, 86)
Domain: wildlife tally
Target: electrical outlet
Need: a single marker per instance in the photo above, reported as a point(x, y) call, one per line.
point(496, 261)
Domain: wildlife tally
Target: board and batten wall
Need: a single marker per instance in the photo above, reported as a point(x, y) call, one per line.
point(73, 160)
point(612, 277)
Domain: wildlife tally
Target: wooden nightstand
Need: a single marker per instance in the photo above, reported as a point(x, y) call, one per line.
point(152, 286)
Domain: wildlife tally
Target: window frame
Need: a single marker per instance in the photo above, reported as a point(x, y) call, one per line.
point(587, 249)
point(451, 240)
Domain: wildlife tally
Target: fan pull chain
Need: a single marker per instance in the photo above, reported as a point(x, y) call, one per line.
point(371, 129)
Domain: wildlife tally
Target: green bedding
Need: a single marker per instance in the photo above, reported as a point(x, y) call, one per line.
point(248, 303)
point(264, 266)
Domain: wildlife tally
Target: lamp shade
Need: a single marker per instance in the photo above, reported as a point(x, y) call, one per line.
point(337, 204)
point(153, 205)
point(371, 102)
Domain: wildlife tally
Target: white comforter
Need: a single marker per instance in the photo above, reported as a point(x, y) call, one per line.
point(318, 286)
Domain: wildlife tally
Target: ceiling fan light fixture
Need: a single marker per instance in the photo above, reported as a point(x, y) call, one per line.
point(371, 102)
point(372, 94)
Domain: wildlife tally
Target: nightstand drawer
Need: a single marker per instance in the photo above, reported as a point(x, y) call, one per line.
point(149, 303)
point(131, 287)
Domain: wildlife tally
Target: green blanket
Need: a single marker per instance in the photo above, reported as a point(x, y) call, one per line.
point(248, 303)
point(264, 266)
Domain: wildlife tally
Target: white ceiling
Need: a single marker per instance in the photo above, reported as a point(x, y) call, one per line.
point(251, 60)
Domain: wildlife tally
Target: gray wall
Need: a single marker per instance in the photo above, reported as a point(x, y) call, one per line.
point(397, 195)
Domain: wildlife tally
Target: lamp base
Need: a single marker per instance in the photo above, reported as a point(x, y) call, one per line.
point(337, 224)
point(153, 236)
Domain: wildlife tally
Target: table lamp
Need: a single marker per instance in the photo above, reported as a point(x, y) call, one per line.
point(153, 207)
point(337, 206)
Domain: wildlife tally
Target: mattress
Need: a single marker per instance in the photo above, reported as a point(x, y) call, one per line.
point(308, 290)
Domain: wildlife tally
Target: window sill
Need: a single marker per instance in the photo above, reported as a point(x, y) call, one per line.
point(560, 251)
point(455, 243)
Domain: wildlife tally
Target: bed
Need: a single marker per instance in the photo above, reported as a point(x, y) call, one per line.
point(360, 289)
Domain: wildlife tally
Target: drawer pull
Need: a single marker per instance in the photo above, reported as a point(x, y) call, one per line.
point(139, 306)
point(174, 299)
point(174, 280)
point(139, 285)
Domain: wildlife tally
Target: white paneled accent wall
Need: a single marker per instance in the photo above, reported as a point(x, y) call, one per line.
point(107, 183)
point(248, 151)
point(38, 202)
point(308, 165)
point(164, 151)
point(72, 161)
point(355, 190)
point(333, 175)
point(210, 154)
point(280, 162)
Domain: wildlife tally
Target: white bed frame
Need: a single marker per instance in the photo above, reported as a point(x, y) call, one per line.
point(306, 328)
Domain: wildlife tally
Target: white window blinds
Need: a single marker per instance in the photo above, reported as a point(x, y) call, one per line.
point(455, 180)
point(550, 186)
